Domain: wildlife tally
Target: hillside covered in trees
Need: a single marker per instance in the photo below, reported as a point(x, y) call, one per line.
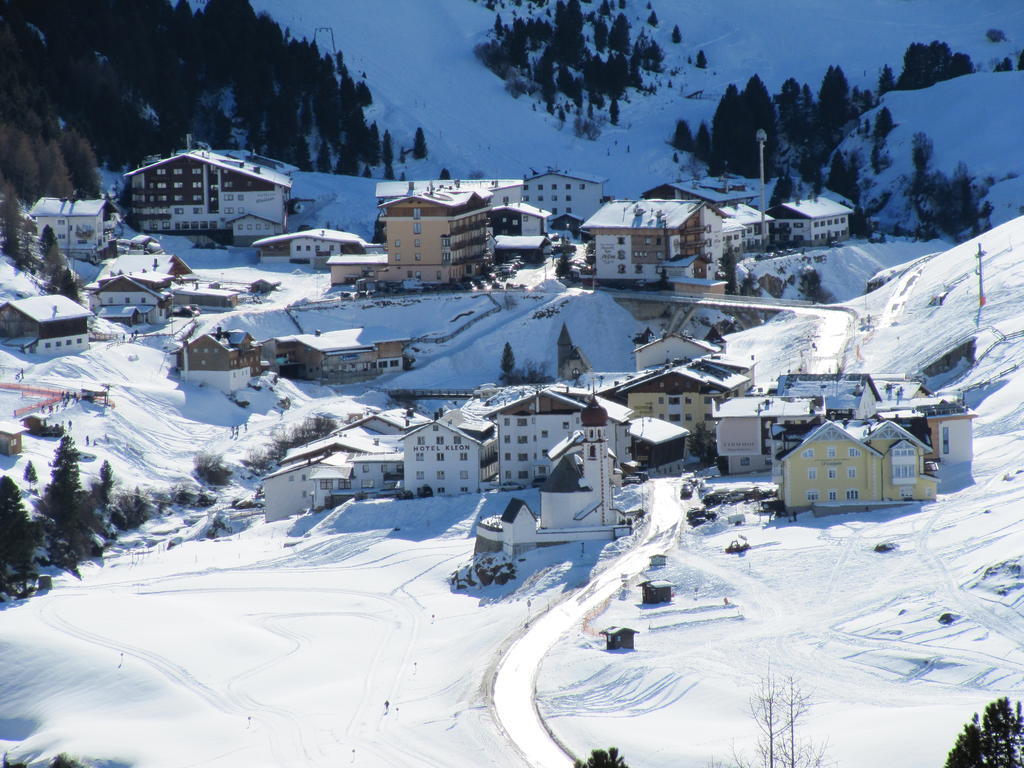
point(115, 80)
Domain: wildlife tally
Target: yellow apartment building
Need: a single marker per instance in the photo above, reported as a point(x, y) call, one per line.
point(854, 465)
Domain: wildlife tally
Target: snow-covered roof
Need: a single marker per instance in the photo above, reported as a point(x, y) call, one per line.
point(642, 214)
point(372, 457)
point(356, 259)
point(227, 163)
point(510, 242)
point(700, 282)
point(448, 198)
point(59, 206)
point(655, 431)
point(668, 338)
point(326, 235)
point(336, 341)
point(141, 262)
point(742, 213)
point(698, 370)
point(390, 189)
point(230, 340)
point(588, 177)
point(839, 391)
point(11, 427)
point(766, 407)
point(616, 411)
point(46, 308)
point(221, 292)
point(121, 310)
point(524, 208)
point(813, 209)
point(716, 190)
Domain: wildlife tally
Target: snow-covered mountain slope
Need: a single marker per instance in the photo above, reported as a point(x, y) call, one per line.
point(419, 58)
point(954, 116)
point(858, 629)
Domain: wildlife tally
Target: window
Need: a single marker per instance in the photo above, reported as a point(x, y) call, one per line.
point(421, 440)
point(833, 494)
point(419, 457)
point(945, 441)
point(524, 474)
point(902, 472)
point(522, 439)
point(852, 494)
point(543, 433)
point(366, 468)
point(907, 492)
point(440, 474)
point(808, 453)
point(417, 228)
point(831, 452)
point(523, 456)
point(419, 475)
point(463, 474)
point(812, 473)
point(812, 495)
point(832, 473)
point(440, 440)
point(507, 438)
point(440, 457)
point(853, 453)
point(851, 472)
point(464, 456)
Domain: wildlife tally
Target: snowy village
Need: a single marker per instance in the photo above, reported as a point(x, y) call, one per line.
point(619, 416)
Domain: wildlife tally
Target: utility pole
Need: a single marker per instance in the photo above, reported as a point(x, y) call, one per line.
point(981, 282)
point(762, 137)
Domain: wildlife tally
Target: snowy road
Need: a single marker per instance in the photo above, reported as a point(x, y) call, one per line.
point(514, 686)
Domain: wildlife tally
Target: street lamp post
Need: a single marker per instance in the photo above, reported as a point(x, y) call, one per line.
point(762, 137)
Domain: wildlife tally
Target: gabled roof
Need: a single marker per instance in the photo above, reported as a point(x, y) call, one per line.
point(44, 309)
point(464, 434)
point(395, 189)
point(714, 189)
point(356, 259)
point(60, 206)
point(122, 283)
point(655, 431)
point(568, 175)
point(668, 337)
point(502, 242)
point(643, 214)
point(566, 477)
point(515, 506)
point(229, 340)
point(327, 235)
point(839, 390)
point(224, 162)
point(524, 208)
point(809, 209)
point(164, 263)
point(743, 214)
point(446, 198)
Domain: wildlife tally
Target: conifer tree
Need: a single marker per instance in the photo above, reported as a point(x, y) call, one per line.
point(66, 506)
point(419, 145)
point(995, 740)
point(702, 60)
point(613, 112)
point(508, 362)
point(30, 475)
point(387, 155)
point(677, 36)
point(886, 80)
point(19, 537)
point(682, 139)
point(653, 19)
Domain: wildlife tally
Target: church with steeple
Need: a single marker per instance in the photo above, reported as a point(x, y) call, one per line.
point(575, 500)
point(572, 363)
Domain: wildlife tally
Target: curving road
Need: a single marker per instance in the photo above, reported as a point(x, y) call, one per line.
point(511, 695)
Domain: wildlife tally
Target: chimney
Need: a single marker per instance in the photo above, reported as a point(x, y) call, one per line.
point(317, 332)
point(54, 310)
point(412, 187)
